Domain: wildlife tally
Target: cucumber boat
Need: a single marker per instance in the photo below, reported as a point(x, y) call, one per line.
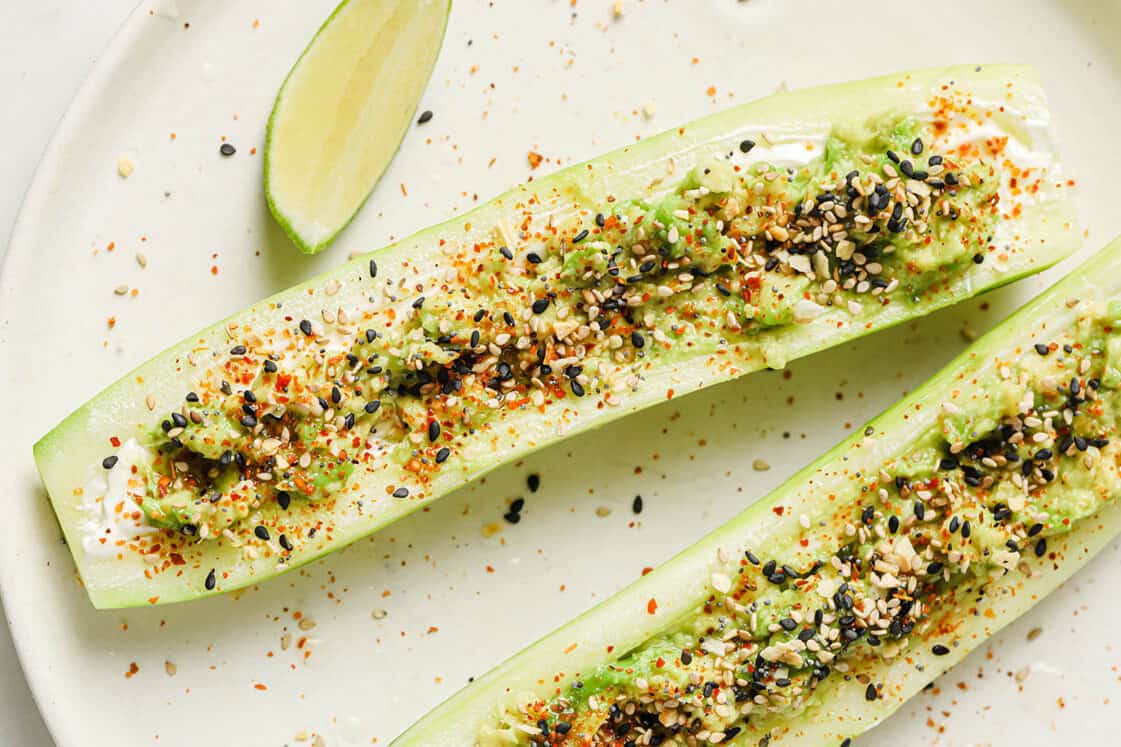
point(732, 244)
point(819, 610)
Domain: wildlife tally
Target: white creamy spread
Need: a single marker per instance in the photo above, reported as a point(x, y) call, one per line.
point(110, 500)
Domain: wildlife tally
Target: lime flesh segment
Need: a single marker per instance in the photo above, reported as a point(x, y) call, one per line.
point(343, 110)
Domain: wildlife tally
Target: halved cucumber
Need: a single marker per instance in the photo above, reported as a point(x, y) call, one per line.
point(790, 523)
point(1033, 230)
point(343, 110)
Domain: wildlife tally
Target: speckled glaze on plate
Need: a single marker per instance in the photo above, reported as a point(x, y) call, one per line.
point(357, 646)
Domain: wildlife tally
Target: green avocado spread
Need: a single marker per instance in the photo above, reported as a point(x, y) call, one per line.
point(1021, 454)
point(873, 215)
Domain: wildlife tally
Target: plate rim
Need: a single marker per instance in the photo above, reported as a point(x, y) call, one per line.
point(20, 241)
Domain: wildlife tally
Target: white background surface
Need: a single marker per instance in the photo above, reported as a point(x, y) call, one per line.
point(47, 48)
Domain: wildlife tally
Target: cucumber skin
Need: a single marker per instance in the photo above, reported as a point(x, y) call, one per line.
point(622, 622)
point(64, 454)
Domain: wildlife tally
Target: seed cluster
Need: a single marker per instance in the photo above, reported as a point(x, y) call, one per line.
point(534, 318)
point(769, 634)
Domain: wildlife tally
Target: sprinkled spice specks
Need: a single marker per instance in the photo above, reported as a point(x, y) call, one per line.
point(906, 545)
point(360, 389)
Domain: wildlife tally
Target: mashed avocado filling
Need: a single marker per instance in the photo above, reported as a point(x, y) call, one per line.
point(1017, 460)
point(736, 249)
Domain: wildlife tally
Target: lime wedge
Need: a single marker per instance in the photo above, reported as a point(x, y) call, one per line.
point(343, 110)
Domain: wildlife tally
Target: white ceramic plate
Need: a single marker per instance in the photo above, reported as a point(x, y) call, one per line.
point(568, 81)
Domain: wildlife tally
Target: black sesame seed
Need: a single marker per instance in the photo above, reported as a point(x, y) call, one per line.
point(893, 524)
point(285, 542)
point(283, 498)
point(636, 504)
point(920, 510)
point(916, 147)
point(372, 406)
point(191, 397)
point(638, 340)
point(787, 624)
point(892, 157)
point(533, 482)
point(109, 462)
point(249, 421)
point(1041, 547)
point(966, 530)
point(305, 327)
point(540, 305)
point(533, 258)
point(418, 303)
point(580, 236)
point(425, 116)
point(505, 252)
point(939, 650)
point(508, 318)
point(746, 145)
point(211, 581)
point(1042, 349)
point(443, 454)
point(978, 259)
point(401, 493)
point(935, 568)
point(1035, 529)
point(226, 149)
point(577, 389)
point(261, 532)
point(512, 517)
point(433, 430)
point(373, 268)
point(238, 350)
point(870, 692)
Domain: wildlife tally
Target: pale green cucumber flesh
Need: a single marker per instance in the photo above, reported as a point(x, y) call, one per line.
point(1039, 235)
point(840, 709)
